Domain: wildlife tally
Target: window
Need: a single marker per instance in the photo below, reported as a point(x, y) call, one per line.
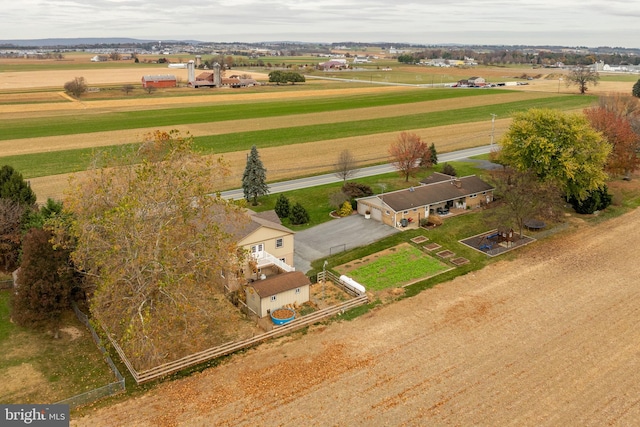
point(473, 196)
point(279, 243)
point(283, 260)
point(406, 212)
point(257, 248)
point(273, 297)
point(297, 290)
point(387, 213)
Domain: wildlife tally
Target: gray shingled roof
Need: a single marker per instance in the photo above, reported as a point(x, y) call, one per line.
point(280, 283)
point(434, 193)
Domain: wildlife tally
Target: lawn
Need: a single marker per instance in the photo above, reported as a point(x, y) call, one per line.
point(36, 368)
point(397, 266)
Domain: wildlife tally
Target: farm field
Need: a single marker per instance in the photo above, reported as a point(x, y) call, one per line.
point(48, 135)
point(544, 340)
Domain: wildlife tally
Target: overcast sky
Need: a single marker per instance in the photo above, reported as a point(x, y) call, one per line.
point(589, 23)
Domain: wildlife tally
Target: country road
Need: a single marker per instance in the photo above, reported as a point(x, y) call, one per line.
point(296, 184)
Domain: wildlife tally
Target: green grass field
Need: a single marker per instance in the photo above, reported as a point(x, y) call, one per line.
point(36, 368)
point(402, 265)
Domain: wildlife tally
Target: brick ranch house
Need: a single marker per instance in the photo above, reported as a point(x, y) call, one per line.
point(159, 80)
point(435, 192)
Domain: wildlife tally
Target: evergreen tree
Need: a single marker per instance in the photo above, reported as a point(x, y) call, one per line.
point(283, 207)
point(434, 154)
point(13, 187)
point(299, 215)
point(636, 89)
point(254, 179)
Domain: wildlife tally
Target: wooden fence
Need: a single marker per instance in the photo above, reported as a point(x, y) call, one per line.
point(231, 347)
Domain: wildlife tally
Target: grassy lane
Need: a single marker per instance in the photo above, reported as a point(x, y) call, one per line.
point(87, 123)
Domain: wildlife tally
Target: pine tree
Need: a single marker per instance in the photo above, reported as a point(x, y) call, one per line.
point(434, 154)
point(636, 89)
point(283, 207)
point(299, 215)
point(13, 187)
point(254, 179)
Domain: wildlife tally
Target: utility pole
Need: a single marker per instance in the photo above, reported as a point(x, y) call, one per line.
point(493, 127)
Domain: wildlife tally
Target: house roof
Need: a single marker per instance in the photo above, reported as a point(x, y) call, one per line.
point(280, 283)
point(158, 77)
point(434, 193)
point(263, 219)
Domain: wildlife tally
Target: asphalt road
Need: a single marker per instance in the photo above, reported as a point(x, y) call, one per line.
point(312, 181)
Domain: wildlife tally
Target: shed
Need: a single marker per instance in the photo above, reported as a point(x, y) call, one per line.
point(264, 296)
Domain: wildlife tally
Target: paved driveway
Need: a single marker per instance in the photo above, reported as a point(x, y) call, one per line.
point(336, 236)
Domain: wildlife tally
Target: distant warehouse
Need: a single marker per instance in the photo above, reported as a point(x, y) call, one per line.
point(160, 80)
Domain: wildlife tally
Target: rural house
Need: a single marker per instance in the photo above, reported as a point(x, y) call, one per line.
point(437, 194)
point(159, 80)
point(269, 243)
point(264, 296)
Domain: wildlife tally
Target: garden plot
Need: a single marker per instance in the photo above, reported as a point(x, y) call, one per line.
point(397, 266)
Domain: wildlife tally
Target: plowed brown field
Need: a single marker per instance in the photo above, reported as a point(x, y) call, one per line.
point(549, 339)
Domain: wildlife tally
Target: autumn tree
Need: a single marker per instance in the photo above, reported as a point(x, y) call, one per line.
point(45, 281)
point(582, 76)
point(345, 167)
point(408, 153)
point(558, 147)
point(127, 89)
point(76, 87)
point(254, 179)
point(625, 143)
point(153, 236)
point(521, 196)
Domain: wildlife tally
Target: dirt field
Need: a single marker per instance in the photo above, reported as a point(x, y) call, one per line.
point(549, 339)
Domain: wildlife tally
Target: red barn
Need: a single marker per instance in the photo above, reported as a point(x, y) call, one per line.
point(162, 80)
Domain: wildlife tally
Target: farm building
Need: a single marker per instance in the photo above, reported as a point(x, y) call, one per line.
point(159, 80)
point(437, 194)
point(264, 296)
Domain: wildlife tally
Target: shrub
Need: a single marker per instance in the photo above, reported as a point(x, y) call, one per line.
point(298, 215)
point(596, 201)
point(337, 199)
point(283, 207)
point(76, 87)
point(354, 190)
point(447, 169)
point(346, 209)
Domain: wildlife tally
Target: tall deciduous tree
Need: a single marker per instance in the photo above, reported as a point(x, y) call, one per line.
point(45, 281)
point(345, 167)
point(582, 76)
point(559, 147)
point(153, 237)
point(76, 87)
point(522, 197)
point(254, 179)
point(618, 132)
point(408, 153)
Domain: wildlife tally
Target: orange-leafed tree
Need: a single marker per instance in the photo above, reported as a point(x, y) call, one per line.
point(408, 154)
point(618, 131)
point(153, 239)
